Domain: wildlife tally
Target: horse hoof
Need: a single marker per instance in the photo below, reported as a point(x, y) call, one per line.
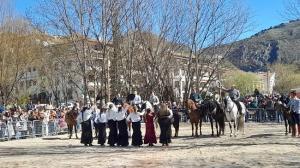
point(230, 135)
point(197, 135)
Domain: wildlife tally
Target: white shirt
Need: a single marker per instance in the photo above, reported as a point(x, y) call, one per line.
point(121, 114)
point(87, 114)
point(134, 116)
point(154, 100)
point(100, 117)
point(137, 99)
point(111, 113)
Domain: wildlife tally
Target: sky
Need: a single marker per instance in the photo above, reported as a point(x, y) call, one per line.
point(264, 13)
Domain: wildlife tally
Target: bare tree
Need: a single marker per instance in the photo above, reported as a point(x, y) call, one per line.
point(211, 25)
point(291, 10)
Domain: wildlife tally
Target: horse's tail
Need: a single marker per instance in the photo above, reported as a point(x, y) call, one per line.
point(241, 122)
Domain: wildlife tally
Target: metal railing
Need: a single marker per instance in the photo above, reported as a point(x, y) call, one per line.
point(263, 115)
point(31, 129)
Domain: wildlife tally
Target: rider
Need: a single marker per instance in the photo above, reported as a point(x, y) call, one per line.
point(195, 96)
point(154, 100)
point(234, 95)
point(137, 100)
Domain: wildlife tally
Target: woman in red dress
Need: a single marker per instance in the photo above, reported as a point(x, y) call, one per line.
point(150, 137)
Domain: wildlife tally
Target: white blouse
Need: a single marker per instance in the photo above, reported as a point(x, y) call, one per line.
point(100, 117)
point(111, 114)
point(121, 114)
point(87, 114)
point(134, 116)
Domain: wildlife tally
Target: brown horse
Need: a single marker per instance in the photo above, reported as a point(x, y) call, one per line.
point(281, 107)
point(194, 115)
point(130, 109)
point(70, 118)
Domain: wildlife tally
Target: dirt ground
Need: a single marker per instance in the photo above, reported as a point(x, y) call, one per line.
point(263, 145)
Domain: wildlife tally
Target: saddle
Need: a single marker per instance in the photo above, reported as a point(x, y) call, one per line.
point(239, 107)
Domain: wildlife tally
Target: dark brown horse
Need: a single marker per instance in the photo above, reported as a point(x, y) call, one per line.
point(281, 107)
point(214, 111)
point(70, 118)
point(194, 115)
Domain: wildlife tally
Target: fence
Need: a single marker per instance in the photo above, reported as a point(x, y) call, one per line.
point(31, 129)
point(263, 115)
point(252, 114)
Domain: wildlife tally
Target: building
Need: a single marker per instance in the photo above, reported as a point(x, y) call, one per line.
point(265, 83)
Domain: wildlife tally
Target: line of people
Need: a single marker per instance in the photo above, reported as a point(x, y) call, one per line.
point(120, 118)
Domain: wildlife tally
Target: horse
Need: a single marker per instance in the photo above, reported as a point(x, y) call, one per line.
point(232, 115)
point(146, 105)
point(130, 109)
point(194, 116)
point(71, 120)
point(280, 106)
point(214, 111)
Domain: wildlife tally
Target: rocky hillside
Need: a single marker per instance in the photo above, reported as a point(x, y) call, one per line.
point(277, 44)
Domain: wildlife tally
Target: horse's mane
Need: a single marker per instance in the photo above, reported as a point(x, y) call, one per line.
point(130, 108)
point(191, 104)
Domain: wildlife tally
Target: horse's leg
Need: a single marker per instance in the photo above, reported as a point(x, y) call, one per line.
point(218, 132)
point(70, 131)
point(200, 126)
point(230, 129)
point(192, 129)
point(129, 129)
point(211, 125)
point(286, 125)
point(75, 128)
point(235, 127)
point(196, 124)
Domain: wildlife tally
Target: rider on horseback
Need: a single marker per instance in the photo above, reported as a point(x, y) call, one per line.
point(196, 97)
point(137, 101)
point(154, 100)
point(234, 95)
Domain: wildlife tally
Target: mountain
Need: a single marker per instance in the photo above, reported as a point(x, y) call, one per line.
point(278, 44)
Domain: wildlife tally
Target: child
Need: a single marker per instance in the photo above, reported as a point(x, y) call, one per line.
point(150, 137)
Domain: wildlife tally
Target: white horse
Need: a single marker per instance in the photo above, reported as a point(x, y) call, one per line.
point(232, 115)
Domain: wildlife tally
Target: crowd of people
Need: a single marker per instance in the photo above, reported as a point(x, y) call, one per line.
point(120, 115)
point(124, 113)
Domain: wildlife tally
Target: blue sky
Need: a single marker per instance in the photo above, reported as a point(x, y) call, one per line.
point(264, 13)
